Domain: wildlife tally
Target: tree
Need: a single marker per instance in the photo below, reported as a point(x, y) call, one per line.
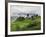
point(27, 15)
point(32, 17)
point(36, 15)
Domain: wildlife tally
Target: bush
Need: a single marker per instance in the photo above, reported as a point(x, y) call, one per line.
point(20, 18)
point(35, 23)
point(31, 25)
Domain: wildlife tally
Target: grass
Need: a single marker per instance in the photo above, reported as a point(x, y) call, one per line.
point(26, 24)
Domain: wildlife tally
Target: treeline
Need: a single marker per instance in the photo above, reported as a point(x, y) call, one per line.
point(32, 17)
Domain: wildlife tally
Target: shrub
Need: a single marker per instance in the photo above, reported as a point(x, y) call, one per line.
point(20, 18)
point(35, 23)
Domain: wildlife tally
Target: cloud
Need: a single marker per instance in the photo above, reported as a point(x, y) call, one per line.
point(25, 9)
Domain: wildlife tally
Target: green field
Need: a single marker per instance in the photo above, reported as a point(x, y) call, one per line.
point(26, 24)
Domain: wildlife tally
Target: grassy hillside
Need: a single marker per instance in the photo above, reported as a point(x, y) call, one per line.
point(25, 24)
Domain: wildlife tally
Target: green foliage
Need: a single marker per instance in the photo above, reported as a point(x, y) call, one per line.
point(32, 17)
point(20, 19)
point(22, 24)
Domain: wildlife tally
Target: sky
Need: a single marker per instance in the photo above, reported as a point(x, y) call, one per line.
point(15, 9)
